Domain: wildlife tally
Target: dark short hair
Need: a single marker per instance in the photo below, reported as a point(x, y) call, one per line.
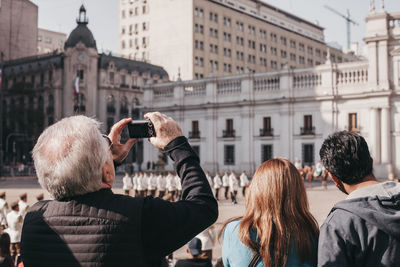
point(345, 154)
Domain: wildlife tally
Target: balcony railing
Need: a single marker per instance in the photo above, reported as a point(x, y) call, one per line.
point(123, 85)
point(228, 133)
point(267, 132)
point(307, 130)
point(194, 135)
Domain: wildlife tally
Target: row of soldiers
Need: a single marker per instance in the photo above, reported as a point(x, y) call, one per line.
point(230, 183)
point(167, 186)
point(11, 220)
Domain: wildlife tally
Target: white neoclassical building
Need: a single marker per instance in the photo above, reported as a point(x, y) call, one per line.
point(237, 122)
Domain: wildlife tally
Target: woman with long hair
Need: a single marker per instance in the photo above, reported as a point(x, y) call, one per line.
point(277, 228)
point(5, 255)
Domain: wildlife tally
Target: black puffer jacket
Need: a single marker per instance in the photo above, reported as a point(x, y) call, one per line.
point(105, 229)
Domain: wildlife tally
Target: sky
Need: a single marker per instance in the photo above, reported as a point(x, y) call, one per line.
point(60, 15)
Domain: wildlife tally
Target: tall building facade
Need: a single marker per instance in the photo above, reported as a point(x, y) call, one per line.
point(50, 41)
point(239, 121)
point(203, 38)
point(18, 29)
point(38, 91)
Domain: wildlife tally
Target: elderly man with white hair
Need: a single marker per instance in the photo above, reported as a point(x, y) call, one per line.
point(86, 224)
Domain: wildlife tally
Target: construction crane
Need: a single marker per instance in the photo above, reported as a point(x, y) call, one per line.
point(348, 21)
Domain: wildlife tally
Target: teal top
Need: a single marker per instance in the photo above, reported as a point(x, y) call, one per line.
point(237, 254)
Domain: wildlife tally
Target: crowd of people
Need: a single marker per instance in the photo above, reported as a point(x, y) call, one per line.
point(86, 224)
point(11, 221)
point(163, 185)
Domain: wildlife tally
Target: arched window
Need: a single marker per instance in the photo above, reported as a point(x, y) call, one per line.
point(110, 104)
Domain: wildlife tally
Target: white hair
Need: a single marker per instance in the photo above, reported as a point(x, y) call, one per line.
point(69, 156)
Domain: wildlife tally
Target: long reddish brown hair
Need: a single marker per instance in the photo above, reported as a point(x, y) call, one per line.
point(277, 209)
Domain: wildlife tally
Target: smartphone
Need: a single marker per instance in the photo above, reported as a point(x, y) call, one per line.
point(141, 129)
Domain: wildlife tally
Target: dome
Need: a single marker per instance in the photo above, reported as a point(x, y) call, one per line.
point(81, 34)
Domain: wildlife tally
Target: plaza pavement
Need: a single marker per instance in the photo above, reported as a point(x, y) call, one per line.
point(321, 201)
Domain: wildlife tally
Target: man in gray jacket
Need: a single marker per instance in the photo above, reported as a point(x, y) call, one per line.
point(364, 229)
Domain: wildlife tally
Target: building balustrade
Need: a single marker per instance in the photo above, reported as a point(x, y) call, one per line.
point(307, 130)
point(266, 132)
point(228, 133)
point(194, 135)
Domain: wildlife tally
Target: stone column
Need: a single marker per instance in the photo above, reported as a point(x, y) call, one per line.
point(210, 133)
point(383, 65)
point(386, 140)
point(375, 135)
point(373, 64)
point(246, 144)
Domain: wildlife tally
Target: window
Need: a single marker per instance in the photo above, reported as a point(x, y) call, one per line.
point(308, 154)
point(195, 133)
point(301, 60)
point(301, 46)
point(283, 54)
point(80, 74)
point(283, 41)
point(111, 77)
point(273, 51)
point(307, 128)
point(310, 62)
point(273, 37)
point(266, 152)
point(229, 132)
point(50, 76)
point(353, 126)
point(292, 44)
point(309, 50)
point(201, 62)
point(41, 79)
point(229, 154)
point(267, 129)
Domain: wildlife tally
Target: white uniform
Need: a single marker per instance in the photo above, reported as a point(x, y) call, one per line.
point(178, 183)
point(161, 183)
point(152, 182)
point(127, 181)
point(134, 182)
point(319, 169)
point(139, 183)
point(209, 179)
point(171, 185)
point(217, 182)
point(233, 183)
point(14, 220)
point(244, 181)
point(3, 212)
point(225, 180)
point(23, 208)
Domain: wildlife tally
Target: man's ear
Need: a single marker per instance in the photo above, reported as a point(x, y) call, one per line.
point(108, 175)
point(334, 178)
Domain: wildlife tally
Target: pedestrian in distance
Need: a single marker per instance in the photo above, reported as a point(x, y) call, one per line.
point(3, 211)
point(171, 186)
point(244, 182)
point(127, 184)
point(161, 185)
point(233, 186)
point(225, 184)
point(85, 223)
point(217, 185)
point(14, 221)
point(178, 187)
point(277, 228)
point(364, 229)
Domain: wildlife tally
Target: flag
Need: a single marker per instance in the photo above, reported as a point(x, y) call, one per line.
point(76, 87)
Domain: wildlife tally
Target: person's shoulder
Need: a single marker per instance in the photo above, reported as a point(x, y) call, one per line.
point(232, 228)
